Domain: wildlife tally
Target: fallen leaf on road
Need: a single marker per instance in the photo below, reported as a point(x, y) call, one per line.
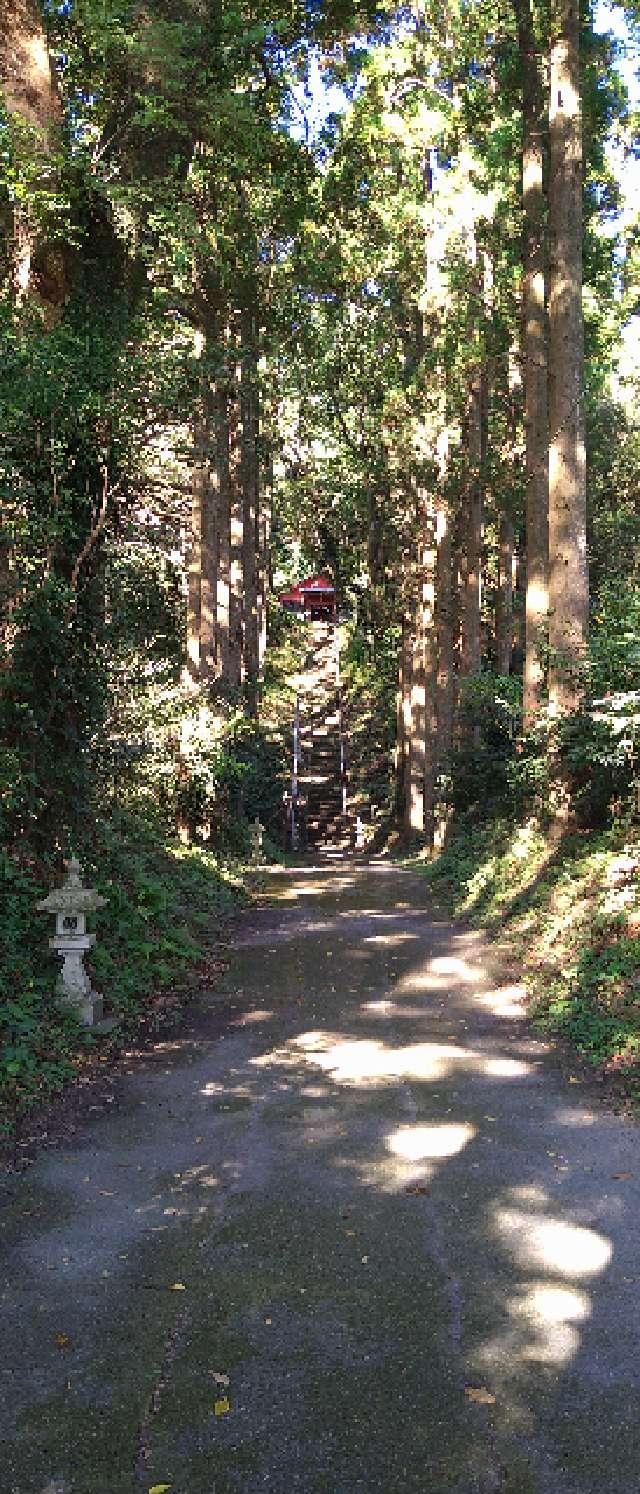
point(63, 1341)
point(621, 1177)
point(480, 1395)
point(178, 1286)
point(416, 1188)
point(219, 1379)
point(160, 1488)
point(573, 1080)
point(222, 1407)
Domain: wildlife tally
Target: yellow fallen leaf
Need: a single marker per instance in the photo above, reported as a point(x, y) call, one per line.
point(63, 1341)
point(480, 1395)
point(178, 1286)
point(222, 1406)
point(573, 1080)
point(160, 1488)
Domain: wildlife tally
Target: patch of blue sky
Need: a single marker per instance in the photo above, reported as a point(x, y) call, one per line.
point(611, 19)
point(315, 100)
point(625, 164)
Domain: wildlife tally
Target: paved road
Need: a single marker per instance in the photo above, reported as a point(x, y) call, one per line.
point(369, 1199)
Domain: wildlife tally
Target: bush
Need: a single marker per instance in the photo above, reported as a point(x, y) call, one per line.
point(479, 765)
point(598, 753)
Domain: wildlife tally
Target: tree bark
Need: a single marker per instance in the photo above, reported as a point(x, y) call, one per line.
point(209, 544)
point(30, 94)
point(471, 644)
point(504, 607)
point(403, 755)
point(417, 716)
point(194, 570)
point(250, 503)
point(534, 362)
point(568, 576)
point(223, 586)
point(26, 75)
point(445, 619)
point(236, 514)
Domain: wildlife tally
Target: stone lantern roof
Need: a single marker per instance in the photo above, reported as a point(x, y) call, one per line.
point(72, 897)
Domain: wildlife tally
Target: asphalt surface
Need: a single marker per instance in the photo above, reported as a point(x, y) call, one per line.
point(351, 1228)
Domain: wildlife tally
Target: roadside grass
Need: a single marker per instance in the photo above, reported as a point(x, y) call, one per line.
point(568, 912)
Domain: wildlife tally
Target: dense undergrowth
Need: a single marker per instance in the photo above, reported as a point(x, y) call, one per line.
point(569, 911)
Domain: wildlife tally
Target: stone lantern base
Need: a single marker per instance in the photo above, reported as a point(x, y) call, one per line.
point(74, 984)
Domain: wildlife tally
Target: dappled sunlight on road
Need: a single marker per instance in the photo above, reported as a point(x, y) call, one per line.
point(416, 1143)
point(538, 1241)
point(441, 975)
point(548, 1317)
point(409, 1157)
point(391, 941)
point(504, 1001)
point(370, 1062)
point(543, 1314)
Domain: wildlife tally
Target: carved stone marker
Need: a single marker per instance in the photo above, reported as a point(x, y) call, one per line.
point(71, 903)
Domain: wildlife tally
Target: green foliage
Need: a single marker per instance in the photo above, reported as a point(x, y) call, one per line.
point(595, 1004)
point(598, 752)
point(370, 683)
point(164, 903)
point(568, 916)
point(614, 646)
point(481, 766)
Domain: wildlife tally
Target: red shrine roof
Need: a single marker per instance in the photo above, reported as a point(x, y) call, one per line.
point(315, 583)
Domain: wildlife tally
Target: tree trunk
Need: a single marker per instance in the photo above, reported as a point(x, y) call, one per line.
point(568, 577)
point(445, 618)
point(504, 607)
point(445, 625)
point(26, 76)
point(417, 717)
point(472, 540)
point(404, 713)
point(250, 503)
point(424, 742)
point(420, 803)
point(223, 484)
point(28, 87)
point(198, 500)
point(534, 362)
point(236, 510)
point(209, 548)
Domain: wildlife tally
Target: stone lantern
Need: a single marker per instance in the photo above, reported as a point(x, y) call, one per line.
point(256, 834)
point(71, 903)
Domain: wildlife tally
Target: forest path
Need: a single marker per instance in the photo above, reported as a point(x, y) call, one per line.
point(358, 1188)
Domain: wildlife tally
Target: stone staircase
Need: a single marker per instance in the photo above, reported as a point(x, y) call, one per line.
point(320, 783)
